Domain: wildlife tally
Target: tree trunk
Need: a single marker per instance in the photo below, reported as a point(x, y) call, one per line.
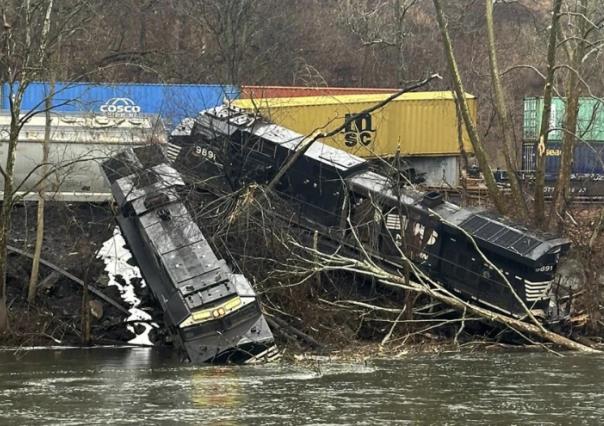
point(5, 216)
point(85, 312)
point(539, 213)
point(504, 118)
point(573, 91)
point(399, 37)
point(3, 302)
point(561, 191)
point(444, 296)
point(35, 266)
point(479, 151)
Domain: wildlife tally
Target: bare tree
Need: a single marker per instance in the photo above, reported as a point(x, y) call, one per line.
point(230, 24)
point(505, 120)
point(479, 150)
point(576, 46)
point(539, 208)
point(29, 37)
point(22, 53)
point(35, 268)
point(381, 24)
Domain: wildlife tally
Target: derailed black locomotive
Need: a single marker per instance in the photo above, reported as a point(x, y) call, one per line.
point(339, 195)
point(212, 313)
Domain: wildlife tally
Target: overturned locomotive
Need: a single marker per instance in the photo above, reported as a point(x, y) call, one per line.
point(469, 251)
point(212, 313)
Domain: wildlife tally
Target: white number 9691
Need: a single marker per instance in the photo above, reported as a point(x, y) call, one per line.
point(204, 152)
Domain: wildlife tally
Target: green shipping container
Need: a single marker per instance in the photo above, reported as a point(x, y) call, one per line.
point(590, 121)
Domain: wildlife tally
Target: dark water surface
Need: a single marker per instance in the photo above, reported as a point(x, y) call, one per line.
point(120, 386)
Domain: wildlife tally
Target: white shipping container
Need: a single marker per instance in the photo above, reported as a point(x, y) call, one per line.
point(78, 144)
point(437, 171)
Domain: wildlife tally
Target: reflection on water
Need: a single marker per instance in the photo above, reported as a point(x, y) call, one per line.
point(147, 386)
point(218, 387)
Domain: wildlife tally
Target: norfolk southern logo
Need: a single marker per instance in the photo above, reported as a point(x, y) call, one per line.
point(358, 131)
point(120, 107)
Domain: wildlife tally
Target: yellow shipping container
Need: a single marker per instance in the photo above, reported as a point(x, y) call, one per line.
point(416, 123)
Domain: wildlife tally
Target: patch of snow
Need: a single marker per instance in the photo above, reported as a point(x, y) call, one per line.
point(116, 256)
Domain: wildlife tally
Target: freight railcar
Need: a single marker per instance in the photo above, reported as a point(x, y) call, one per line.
point(212, 313)
point(587, 172)
point(267, 92)
point(468, 251)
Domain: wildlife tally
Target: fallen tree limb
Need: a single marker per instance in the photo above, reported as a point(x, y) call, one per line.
point(282, 332)
point(292, 330)
point(438, 292)
point(73, 278)
point(490, 315)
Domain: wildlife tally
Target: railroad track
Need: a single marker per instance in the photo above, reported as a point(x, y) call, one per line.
point(480, 194)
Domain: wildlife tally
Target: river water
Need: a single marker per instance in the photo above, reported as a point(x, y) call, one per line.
point(120, 386)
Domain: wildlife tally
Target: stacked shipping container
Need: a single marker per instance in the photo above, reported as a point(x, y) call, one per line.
point(420, 126)
point(589, 146)
point(172, 102)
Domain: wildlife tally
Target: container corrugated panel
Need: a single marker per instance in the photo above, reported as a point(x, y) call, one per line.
point(588, 158)
point(417, 123)
point(528, 157)
point(173, 102)
point(78, 141)
point(442, 171)
point(260, 92)
point(590, 121)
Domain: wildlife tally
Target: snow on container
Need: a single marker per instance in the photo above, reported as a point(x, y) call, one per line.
point(415, 124)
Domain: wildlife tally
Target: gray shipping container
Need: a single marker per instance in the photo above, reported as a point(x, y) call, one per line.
point(78, 143)
point(438, 171)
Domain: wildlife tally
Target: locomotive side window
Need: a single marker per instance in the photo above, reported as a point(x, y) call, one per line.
point(252, 143)
point(268, 149)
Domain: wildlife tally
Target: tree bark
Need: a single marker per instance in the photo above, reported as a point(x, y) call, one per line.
point(400, 39)
point(35, 265)
point(505, 121)
point(439, 293)
point(5, 217)
point(539, 208)
point(573, 91)
point(479, 151)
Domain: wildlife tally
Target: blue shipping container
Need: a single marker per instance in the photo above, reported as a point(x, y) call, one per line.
point(588, 158)
point(172, 102)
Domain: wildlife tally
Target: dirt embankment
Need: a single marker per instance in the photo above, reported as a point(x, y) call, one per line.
point(319, 307)
point(73, 235)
